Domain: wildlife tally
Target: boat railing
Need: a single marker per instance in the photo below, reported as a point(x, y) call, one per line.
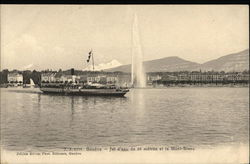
point(82, 86)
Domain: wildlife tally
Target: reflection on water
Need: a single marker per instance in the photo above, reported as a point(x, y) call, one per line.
point(175, 116)
point(138, 103)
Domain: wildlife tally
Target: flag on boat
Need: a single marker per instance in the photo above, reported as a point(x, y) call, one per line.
point(89, 56)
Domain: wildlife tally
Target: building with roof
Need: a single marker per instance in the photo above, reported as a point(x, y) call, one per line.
point(15, 77)
point(48, 77)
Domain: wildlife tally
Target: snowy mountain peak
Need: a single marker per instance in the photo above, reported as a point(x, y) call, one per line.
point(29, 66)
point(113, 63)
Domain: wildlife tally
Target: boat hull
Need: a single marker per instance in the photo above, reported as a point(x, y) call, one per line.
point(85, 92)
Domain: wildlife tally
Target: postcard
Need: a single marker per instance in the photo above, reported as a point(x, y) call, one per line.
point(124, 84)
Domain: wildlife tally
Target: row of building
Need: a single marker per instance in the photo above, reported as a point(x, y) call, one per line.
point(122, 78)
point(62, 78)
point(125, 78)
point(200, 77)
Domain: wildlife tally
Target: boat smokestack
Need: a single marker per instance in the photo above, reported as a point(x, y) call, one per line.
point(72, 71)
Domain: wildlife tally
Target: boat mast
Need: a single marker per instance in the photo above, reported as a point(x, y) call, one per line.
point(93, 61)
point(132, 56)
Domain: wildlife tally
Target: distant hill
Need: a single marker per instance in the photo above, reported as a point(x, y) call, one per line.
point(233, 62)
point(169, 64)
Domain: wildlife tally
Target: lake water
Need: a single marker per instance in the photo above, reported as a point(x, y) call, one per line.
point(196, 117)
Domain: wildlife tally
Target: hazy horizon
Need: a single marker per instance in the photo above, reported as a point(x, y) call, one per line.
point(60, 36)
point(89, 67)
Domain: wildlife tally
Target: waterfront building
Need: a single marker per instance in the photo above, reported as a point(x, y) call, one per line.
point(151, 78)
point(112, 79)
point(102, 79)
point(195, 77)
point(183, 77)
point(15, 77)
point(123, 79)
point(70, 78)
point(83, 79)
point(48, 77)
point(169, 78)
point(58, 77)
point(93, 79)
point(245, 77)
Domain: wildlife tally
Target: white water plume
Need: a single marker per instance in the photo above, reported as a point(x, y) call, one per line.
point(137, 71)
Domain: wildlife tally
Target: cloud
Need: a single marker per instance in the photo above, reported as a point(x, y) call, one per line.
point(26, 49)
point(29, 41)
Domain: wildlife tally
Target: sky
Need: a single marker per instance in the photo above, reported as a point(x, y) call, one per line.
point(60, 36)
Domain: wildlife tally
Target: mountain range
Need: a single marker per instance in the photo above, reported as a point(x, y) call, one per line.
point(232, 62)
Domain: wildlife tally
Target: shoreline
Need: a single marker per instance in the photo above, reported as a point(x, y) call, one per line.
point(200, 86)
point(170, 86)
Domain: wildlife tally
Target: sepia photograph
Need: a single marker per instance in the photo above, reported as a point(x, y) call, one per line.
point(124, 84)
